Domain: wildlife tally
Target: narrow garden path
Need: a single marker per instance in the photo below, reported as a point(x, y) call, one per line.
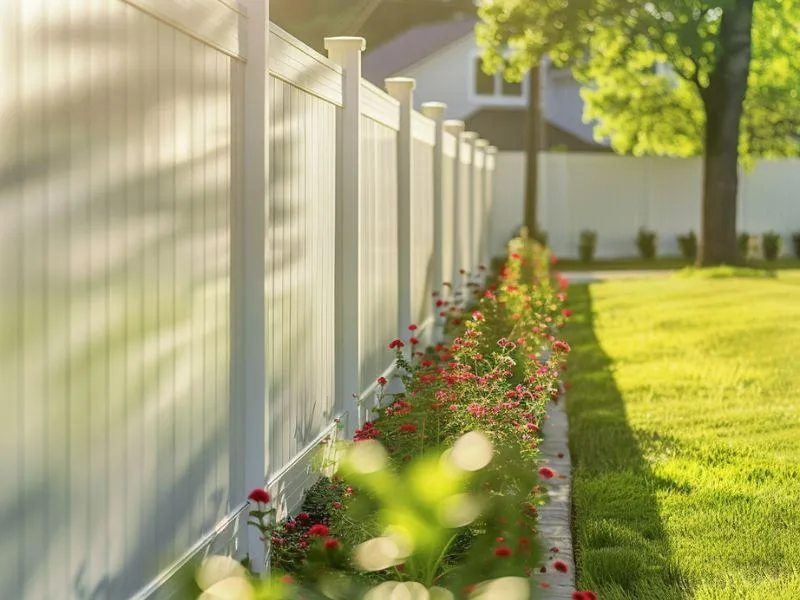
point(684, 415)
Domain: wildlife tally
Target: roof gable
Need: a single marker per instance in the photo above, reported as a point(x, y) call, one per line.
point(412, 46)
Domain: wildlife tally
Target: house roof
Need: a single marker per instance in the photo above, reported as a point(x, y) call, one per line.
point(412, 46)
point(505, 129)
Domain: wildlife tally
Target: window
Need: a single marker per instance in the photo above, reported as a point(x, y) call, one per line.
point(494, 89)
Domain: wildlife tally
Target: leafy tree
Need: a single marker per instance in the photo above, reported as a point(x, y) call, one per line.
point(719, 78)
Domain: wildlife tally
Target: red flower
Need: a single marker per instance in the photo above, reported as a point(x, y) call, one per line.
point(516, 256)
point(502, 551)
point(412, 327)
point(382, 381)
point(585, 595)
point(554, 549)
point(560, 566)
point(566, 312)
point(319, 529)
point(337, 505)
point(408, 427)
point(303, 516)
point(286, 579)
point(546, 472)
point(413, 341)
point(396, 344)
point(259, 495)
point(561, 346)
point(331, 543)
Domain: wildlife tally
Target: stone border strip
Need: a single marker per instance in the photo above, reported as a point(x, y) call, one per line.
point(555, 529)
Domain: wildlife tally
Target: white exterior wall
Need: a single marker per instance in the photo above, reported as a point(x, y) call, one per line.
point(615, 196)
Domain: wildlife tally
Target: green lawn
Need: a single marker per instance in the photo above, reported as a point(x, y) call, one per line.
point(685, 431)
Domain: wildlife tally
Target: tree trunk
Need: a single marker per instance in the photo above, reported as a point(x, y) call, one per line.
point(533, 124)
point(723, 101)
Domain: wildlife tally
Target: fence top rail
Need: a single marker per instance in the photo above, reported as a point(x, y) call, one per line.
point(301, 66)
point(423, 128)
point(379, 106)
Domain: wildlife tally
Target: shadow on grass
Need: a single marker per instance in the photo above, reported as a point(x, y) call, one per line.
point(622, 550)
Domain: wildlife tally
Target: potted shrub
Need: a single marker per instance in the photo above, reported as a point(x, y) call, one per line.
point(796, 243)
point(587, 245)
point(688, 245)
point(744, 244)
point(771, 245)
point(646, 243)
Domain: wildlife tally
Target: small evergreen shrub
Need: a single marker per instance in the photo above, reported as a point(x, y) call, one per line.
point(771, 245)
point(796, 243)
point(646, 243)
point(744, 244)
point(688, 245)
point(587, 245)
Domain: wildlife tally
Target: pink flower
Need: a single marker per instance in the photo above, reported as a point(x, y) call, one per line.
point(259, 495)
point(337, 505)
point(396, 344)
point(546, 473)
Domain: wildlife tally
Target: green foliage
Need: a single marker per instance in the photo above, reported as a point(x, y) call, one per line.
point(771, 245)
point(688, 245)
point(646, 243)
point(618, 48)
point(796, 243)
point(587, 245)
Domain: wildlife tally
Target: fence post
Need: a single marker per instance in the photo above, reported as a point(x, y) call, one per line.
point(346, 51)
point(491, 158)
point(435, 112)
point(249, 212)
point(402, 90)
point(479, 234)
point(470, 137)
point(456, 128)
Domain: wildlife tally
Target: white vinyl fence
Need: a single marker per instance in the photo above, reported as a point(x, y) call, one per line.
point(616, 195)
point(209, 234)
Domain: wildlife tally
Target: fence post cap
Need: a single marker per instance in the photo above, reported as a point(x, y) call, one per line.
point(454, 126)
point(345, 42)
point(434, 110)
point(469, 136)
point(481, 143)
point(491, 150)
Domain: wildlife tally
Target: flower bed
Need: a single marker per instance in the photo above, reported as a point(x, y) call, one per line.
point(439, 491)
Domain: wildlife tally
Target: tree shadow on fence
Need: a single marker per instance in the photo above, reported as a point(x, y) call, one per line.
point(621, 547)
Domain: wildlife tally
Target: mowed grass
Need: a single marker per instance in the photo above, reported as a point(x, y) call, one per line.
point(684, 412)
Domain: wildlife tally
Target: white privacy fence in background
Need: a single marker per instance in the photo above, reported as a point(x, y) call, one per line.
point(616, 195)
point(209, 235)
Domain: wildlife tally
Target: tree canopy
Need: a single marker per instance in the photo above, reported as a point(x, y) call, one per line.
point(616, 48)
